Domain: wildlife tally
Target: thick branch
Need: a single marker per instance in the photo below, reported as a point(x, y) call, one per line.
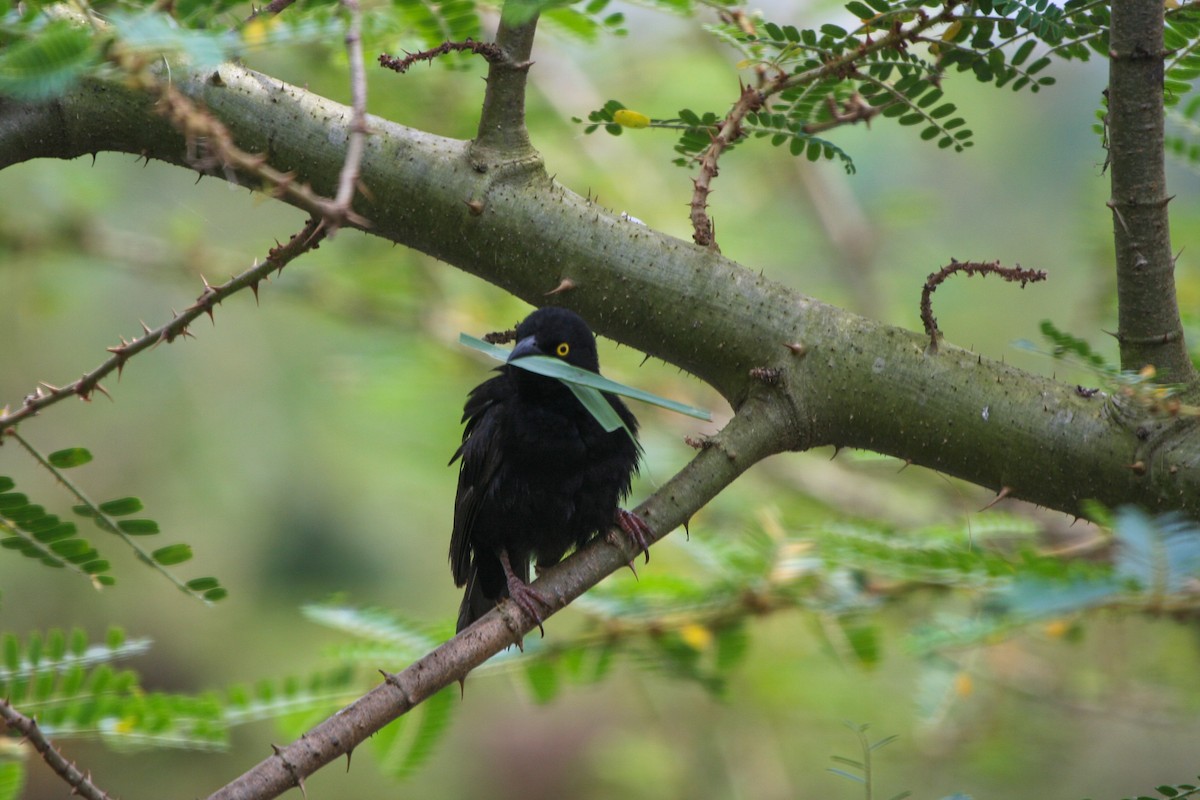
point(747, 439)
point(861, 383)
point(1149, 329)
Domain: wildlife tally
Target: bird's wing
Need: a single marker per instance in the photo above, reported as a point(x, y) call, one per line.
point(482, 457)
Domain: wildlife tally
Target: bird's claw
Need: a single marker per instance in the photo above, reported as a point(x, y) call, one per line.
point(529, 600)
point(523, 595)
point(638, 531)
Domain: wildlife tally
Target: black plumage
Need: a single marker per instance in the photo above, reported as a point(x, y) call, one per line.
point(538, 475)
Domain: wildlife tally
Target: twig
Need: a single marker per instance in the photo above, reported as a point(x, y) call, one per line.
point(1015, 274)
point(488, 50)
point(277, 258)
point(853, 110)
point(49, 556)
point(103, 520)
point(751, 99)
point(80, 783)
point(357, 139)
point(201, 129)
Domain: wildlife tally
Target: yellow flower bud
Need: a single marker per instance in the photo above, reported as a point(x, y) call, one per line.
point(631, 119)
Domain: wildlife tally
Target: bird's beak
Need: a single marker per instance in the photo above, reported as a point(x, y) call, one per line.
point(525, 347)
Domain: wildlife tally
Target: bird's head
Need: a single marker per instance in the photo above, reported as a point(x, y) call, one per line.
point(558, 333)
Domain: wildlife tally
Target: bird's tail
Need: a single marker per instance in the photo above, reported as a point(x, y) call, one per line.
point(474, 603)
point(487, 585)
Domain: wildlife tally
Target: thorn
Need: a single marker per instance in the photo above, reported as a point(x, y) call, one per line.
point(565, 285)
point(300, 783)
point(837, 448)
point(797, 348)
point(254, 288)
point(100, 388)
point(686, 530)
point(277, 750)
point(349, 753)
point(633, 568)
point(145, 327)
point(474, 207)
point(907, 463)
point(1004, 492)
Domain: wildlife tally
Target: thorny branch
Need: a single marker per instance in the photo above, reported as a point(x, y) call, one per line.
point(80, 783)
point(754, 98)
point(1015, 274)
point(703, 233)
point(199, 126)
point(277, 258)
point(203, 131)
point(748, 438)
point(488, 50)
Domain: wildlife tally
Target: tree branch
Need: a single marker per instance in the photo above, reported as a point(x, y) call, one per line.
point(754, 98)
point(502, 133)
point(46, 395)
point(1149, 329)
point(80, 783)
point(355, 142)
point(748, 438)
point(862, 384)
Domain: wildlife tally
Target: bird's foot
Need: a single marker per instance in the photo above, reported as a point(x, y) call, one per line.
point(528, 599)
point(638, 532)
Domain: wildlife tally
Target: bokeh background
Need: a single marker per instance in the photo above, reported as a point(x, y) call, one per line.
point(300, 444)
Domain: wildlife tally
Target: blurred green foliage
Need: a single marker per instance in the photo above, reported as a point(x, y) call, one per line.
point(299, 448)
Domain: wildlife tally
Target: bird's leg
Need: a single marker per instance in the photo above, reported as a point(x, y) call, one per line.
point(637, 530)
point(525, 596)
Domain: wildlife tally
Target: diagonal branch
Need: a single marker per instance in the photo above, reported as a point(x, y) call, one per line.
point(46, 395)
point(748, 438)
point(80, 783)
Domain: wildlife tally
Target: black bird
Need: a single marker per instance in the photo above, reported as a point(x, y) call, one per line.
point(538, 475)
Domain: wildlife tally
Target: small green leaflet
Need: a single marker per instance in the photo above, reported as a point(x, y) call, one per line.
point(586, 385)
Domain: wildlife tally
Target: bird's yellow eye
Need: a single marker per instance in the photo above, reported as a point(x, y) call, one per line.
point(562, 349)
